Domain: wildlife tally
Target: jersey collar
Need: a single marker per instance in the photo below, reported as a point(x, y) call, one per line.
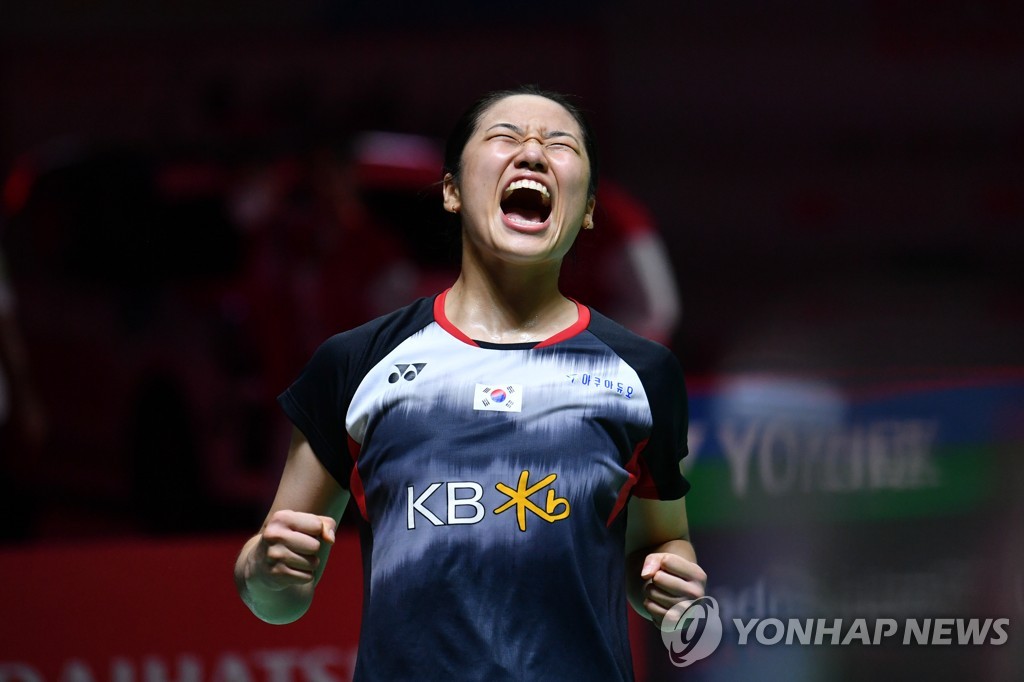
point(581, 323)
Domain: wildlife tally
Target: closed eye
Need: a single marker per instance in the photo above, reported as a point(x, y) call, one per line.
point(502, 138)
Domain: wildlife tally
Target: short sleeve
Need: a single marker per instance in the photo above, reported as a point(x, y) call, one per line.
point(660, 476)
point(316, 403)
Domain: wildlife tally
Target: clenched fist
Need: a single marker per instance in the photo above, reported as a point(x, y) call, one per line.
point(288, 550)
point(671, 579)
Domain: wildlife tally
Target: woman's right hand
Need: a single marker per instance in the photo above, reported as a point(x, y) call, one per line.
point(288, 551)
point(277, 569)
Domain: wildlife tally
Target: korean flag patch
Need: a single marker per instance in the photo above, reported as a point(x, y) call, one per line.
point(498, 397)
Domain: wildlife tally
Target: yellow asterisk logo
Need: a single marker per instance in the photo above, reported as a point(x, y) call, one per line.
point(520, 498)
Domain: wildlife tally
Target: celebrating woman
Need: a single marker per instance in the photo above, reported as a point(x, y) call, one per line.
point(513, 454)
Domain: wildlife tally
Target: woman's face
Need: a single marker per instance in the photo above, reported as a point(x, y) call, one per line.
point(523, 186)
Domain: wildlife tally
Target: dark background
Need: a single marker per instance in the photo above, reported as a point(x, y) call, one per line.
point(860, 160)
point(840, 187)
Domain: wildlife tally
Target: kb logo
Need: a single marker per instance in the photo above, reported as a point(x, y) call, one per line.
point(466, 496)
point(407, 372)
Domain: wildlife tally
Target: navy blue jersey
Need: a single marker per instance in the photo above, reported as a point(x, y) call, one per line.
point(492, 482)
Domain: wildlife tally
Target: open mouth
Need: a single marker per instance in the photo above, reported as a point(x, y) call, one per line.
point(526, 202)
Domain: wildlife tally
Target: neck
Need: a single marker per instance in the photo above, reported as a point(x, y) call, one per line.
point(506, 303)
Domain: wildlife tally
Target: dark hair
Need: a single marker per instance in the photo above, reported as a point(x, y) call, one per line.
point(467, 123)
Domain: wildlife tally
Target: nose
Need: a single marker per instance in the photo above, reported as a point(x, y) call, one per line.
point(531, 156)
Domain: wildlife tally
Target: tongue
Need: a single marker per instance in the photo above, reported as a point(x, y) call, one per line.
point(525, 215)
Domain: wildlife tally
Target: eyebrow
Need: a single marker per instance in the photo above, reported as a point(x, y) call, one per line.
point(547, 136)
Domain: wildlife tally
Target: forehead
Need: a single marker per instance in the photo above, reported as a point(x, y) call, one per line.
point(529, 111)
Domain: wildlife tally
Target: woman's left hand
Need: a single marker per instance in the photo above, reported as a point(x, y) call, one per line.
point(671, 579)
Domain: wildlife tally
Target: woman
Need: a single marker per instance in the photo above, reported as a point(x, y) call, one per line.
point(514, 456)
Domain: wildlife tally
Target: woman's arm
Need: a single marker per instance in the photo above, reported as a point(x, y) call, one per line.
point(661, 566)
point(278, 568)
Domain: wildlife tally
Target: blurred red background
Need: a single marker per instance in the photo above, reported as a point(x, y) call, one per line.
point(192, 201)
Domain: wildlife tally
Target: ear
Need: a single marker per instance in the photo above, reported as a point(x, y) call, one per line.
point(452, 202)
point(588, 217)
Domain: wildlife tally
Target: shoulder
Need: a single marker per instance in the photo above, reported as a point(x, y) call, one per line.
point(381, 334)
point(327, 383)
point(641, 353)
point(657, 367)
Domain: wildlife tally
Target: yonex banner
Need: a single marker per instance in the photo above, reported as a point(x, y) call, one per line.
point(766, 448)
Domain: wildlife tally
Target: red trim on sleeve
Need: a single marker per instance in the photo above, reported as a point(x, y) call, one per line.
point(443, 321)
point(637, 471)
point(355, 483)
point(645, 486)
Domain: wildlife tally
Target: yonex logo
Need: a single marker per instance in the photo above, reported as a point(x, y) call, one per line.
point(407, 372)
point(691, 631)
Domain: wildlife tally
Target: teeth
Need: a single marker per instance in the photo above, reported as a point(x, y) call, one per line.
point(530, 184)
